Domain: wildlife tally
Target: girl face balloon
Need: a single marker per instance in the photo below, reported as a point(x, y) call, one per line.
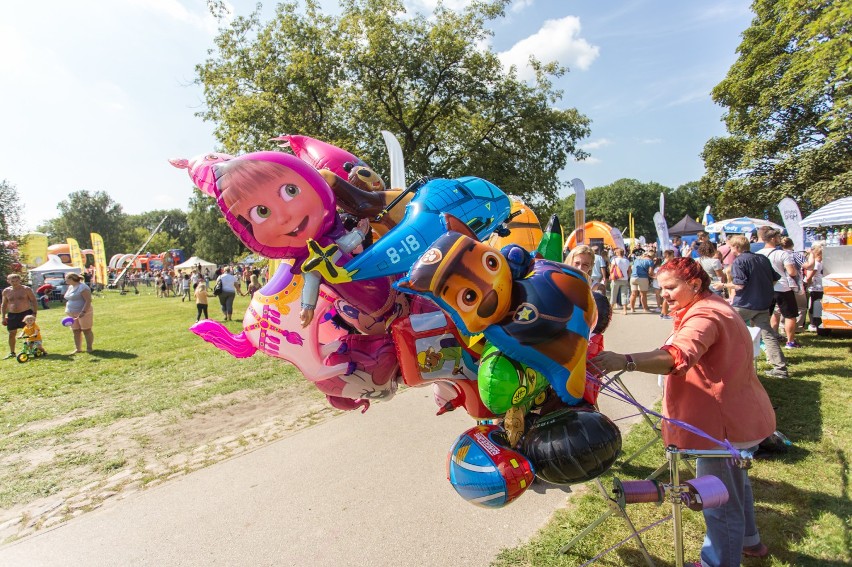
point(274, 203)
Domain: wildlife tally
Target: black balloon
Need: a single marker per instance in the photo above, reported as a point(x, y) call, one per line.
point(569, 447)
point(604, 312)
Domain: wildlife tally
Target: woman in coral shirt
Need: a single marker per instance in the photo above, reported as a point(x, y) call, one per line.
point(710, 384)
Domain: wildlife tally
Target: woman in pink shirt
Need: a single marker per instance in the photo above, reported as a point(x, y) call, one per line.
point(710, 384)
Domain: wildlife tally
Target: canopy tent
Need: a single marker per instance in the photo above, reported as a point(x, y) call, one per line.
point(194, 262)
point(838, 212)
point(686, 227)
point(742, 225)
point(53, 267)
point(595, 231)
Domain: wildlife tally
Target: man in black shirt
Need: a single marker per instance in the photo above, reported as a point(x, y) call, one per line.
point(753, 280)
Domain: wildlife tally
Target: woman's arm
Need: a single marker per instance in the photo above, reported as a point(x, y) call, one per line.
point(652, 362)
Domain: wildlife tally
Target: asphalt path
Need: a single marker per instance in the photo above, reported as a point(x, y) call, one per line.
point(357, 490)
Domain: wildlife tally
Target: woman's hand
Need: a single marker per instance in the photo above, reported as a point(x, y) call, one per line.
point(306, 316)
point(610, 361)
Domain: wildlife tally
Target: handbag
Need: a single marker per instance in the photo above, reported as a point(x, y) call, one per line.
point(217, 289)
point(616, 272)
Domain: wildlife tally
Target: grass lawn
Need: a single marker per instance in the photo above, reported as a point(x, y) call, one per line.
point(802, 498)
point(150, 390)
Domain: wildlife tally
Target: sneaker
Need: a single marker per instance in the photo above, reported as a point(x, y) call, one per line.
point(758, 550)
point(782, 374)
point(792, 344)
point(8, 356)
point(812, 328)
point(665, 316)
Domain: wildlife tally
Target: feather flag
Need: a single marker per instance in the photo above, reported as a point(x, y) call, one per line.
point(101, 273)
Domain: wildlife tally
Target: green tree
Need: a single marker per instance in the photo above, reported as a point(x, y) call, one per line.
point(613, 204)
point(344, 78)
point(789, 111)
point(213, 239)
point(83, 213)
point(174, 233)
point(10, 225)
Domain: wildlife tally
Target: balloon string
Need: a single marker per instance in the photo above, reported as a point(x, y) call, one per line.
point(625, 540)
point(735, 453)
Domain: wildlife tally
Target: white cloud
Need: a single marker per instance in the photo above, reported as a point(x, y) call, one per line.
point(588, 161)
point(520, 5)
point(595, 144)
point(200, 17)
point(557, 40)
point(651, 141)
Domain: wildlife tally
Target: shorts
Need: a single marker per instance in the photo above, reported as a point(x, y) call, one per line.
point(639, 284)
point(35, 344)
point(786, 302)
point(15, 321)
point(84, 323)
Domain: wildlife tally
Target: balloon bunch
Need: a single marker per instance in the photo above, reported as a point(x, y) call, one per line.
point(340, 310)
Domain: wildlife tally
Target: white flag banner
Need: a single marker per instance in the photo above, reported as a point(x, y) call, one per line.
point(397, 162)
point(662, 231)
point(579, 211)
point(663, 204)
point(617, 237)
point(792, 217)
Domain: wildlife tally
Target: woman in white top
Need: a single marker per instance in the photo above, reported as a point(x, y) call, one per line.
point(712, 266)
point(78, 305)
point(229, 291)
point(813, 282)
point(619, 272)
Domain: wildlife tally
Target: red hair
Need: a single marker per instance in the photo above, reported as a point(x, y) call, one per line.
point(686, 269)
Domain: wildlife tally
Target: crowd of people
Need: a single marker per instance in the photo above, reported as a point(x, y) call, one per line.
point(20, 304)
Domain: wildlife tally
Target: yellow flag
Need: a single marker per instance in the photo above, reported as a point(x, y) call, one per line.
point(76, 256)
point(101, 274)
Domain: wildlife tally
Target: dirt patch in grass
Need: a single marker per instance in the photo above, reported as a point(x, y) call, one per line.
point(68, 475)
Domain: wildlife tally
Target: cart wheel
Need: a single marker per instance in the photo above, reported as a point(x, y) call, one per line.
point(23, 357)
point(38, 353)
point(823, 332)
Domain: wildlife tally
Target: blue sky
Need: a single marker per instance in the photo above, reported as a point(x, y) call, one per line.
point(97, 94)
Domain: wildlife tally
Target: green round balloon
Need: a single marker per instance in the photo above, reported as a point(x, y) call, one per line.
point(505, 383)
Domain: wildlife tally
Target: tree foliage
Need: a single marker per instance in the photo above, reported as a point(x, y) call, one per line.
point(10, 224)
point(213, 239)
point(174, 233)
point(83, 213)
point(789, 111)
point(614, 203)
point(344, 78)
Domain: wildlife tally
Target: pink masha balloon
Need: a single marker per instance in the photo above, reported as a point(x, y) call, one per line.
point(199, 169)
point(319, 154)
point(349, 369)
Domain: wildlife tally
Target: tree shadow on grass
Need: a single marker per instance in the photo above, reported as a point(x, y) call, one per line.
point(113, 354)
point(782, 530)
point(798, 407)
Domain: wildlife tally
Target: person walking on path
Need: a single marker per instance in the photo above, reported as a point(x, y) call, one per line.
point(18, 302)
point(201, 301)
point(619, 271)
point(640, 281)
point(752, 279)
point(229, 291)
point(78, 305)
point(710, 384)
point(786, 287)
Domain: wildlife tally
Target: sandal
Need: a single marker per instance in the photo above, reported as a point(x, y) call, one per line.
point(758, 550)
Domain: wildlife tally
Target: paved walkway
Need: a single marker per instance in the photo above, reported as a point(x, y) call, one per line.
point(357, 490)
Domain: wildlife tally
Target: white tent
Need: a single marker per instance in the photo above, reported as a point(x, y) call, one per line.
point(194, 262)
point(837, 213)
point(53, 267)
